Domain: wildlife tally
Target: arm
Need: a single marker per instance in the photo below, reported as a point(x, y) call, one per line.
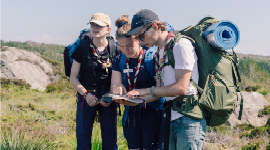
point(117, 86)
point(186, 59)
point(75, 69)
point(149, 98)
point(178, 88)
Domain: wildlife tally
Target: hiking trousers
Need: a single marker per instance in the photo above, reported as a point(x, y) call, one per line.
point(85, 119)
point(141, 128)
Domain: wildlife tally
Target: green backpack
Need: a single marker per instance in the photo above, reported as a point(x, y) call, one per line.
point(219, 78)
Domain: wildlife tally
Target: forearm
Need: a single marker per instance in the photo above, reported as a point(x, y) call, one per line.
point(77, 85)
point(149, 99)
point(178, 88)
point(170, 90)
point(167, 91)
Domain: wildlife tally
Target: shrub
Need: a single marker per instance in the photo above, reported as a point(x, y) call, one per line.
point(264, 111)
point(248, 89)
point(256, 132)
point(251, 146)
point(264, 92)
point(17, 82)
point(252, 88)
point(60, 87)
point(51, 88)
point(255, 88)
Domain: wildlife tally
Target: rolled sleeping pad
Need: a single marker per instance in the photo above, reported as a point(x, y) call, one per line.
point(224, 34)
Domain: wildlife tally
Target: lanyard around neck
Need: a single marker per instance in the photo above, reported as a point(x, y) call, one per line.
point(137, 71)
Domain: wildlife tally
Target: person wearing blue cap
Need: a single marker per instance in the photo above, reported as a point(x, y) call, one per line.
point(182, 131)
point(143, 124)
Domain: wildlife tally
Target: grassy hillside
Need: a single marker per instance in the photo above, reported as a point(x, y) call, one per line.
point(32, 119)
point(255, 73)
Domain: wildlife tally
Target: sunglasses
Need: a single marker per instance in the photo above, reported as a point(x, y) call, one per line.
point(141, 37)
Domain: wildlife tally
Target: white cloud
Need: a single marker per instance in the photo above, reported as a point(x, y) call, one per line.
point(43, 38)
point(65, 40)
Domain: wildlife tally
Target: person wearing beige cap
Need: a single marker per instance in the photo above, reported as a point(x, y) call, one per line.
point(91, 76)
point(101, 21)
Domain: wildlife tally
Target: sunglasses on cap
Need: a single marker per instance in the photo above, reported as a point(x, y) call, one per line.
point(141, 37)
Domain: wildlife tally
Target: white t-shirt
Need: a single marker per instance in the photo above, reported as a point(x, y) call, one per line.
point(185, 58)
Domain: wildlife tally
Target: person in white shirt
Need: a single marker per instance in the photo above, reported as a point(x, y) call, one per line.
point(185, 132)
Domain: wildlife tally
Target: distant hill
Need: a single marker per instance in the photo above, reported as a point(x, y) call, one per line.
point(254, 64)
point(53, 51)
point(254, 57)
point(255, 69)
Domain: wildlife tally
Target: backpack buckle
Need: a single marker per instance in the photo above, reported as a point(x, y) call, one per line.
point(89, 57)
point(94, 58)
point(194, 101)
point(179, 103)
point(212, 72)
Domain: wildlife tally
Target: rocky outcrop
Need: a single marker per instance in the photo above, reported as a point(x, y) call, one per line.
point(253, 102)
point(28, 66)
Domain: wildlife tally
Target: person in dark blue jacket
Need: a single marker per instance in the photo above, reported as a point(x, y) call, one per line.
point(142, 125)
point(94, 69)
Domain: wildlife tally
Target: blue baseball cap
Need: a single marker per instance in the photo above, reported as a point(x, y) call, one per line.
point(140, 19)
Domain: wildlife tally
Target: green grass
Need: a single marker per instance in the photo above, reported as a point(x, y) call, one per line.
point(32, 119)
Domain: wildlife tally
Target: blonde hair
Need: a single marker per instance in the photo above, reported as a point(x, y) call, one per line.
point(122, 30)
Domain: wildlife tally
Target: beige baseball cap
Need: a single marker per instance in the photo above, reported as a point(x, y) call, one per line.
point(101, 19)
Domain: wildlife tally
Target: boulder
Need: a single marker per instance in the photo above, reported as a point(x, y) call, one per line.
point(253, 102)
point(28, 66)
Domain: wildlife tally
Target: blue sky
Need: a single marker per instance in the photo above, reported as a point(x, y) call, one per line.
point(60, 21)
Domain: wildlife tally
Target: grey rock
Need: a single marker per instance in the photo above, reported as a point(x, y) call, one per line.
point(24, 65)
point(2, 64)
point(253, 102)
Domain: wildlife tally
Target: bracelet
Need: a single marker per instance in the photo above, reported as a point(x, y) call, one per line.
point(152, 91)
point(84, 94)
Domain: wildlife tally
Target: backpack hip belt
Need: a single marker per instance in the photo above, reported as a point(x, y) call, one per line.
point(98, 88)
point(188, 105)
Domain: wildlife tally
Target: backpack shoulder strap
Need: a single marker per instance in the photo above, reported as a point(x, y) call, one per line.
point(169, 51)
point(122, 62)
point(149, 62)
point(112, 46)
point(122, 65)
point(85, 53)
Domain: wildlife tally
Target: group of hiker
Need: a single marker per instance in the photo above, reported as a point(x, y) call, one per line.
point(134, 67)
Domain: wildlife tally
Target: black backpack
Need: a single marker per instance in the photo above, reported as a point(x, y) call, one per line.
point(82, 39)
